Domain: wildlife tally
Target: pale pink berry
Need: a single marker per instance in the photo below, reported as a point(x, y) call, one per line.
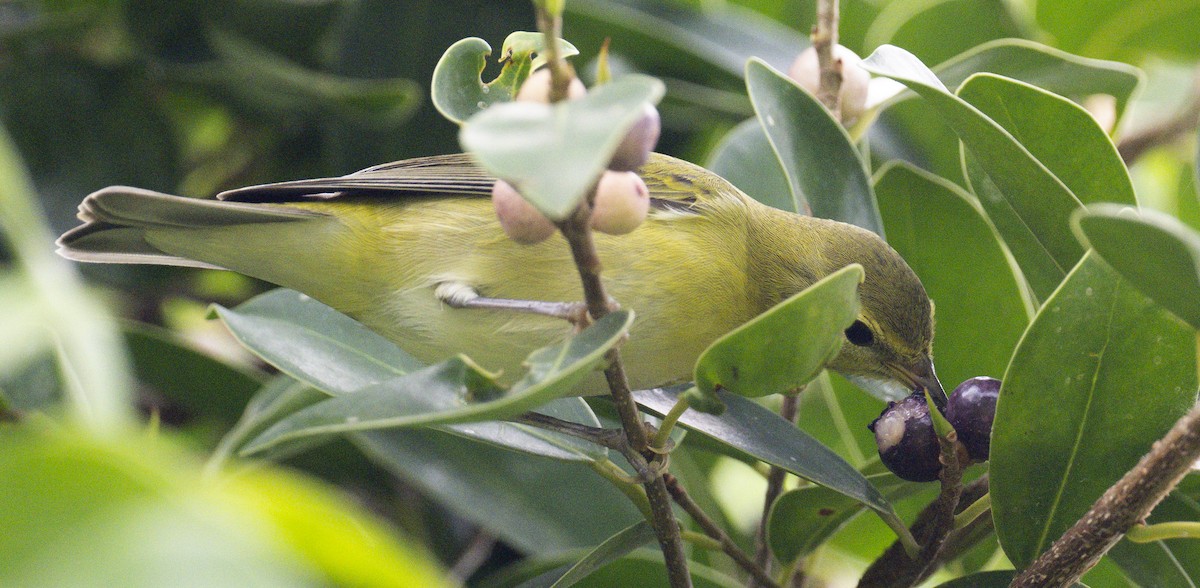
point(520, 220)
point(622, 202)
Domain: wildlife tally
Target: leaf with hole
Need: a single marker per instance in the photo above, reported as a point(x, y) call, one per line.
point(457, 90)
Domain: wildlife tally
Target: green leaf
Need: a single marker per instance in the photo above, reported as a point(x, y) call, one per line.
point(802, 519)
point(1154, 251)
point(276, 400)
point(822, 166)
point(334, 353)
point(455, 391)
point(766, 436)
point(1122, 30)
point(981, 307)
point(535, 504)
point(78, 511)
point(1058, 133)
point(1047, 68)
point(553, 154)
point(203, 384)
point(787, 346)
point(670, 39)
point(935, 30)
point(286, 329)
point(457, 90)
point(1100, 375)
point(745, 158)
point(613, 548)
point(1028, 205)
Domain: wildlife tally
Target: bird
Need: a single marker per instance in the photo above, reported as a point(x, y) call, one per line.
point(400, 246)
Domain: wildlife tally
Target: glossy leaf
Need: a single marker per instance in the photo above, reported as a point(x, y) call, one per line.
point(1058, 133)
point(286, 329)
point(1028, 205)
point(1122, 30)
point(764, 435)
point(1154, 251)
point(787, 346)
point(981, 305)
point(553, 154)
point(910, 130)
point(457, 90)
point(613, 548)
point(455, 391)
point(1100, 375)
point(745, 158)
point(822, 166)
point(802, 519)
point(1048, 68)
point(330, 351)
point(537, 505)
point(273, 402)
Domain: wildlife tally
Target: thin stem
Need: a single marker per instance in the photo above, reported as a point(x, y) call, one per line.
point(609, 471)
point(1133, 145)
point(775, 478)
point(712, 529)
point(896, 568)
point(824, 39)
point(668, 423)
point(578, 234)
point(1171, 530)
point(1122, 506)
point(972, 512)
point(701, 540)
point(473, 556)
point(609, 438)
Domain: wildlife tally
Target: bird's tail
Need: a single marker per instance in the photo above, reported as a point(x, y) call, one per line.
point(120, 223)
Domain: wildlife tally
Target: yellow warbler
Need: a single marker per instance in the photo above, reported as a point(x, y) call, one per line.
point(392, 244)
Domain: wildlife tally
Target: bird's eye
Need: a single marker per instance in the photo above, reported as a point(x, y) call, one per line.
point(860, 334)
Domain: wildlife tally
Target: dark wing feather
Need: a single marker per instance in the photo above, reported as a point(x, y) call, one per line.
point(437, 175)
point(675, 185)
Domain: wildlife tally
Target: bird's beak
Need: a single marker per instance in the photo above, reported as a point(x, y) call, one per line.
point(922, 377)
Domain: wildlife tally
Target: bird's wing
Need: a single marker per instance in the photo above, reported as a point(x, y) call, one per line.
point(675, 185)
point(440, 174)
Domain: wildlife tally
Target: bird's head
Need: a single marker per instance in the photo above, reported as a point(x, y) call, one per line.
point(888, 349)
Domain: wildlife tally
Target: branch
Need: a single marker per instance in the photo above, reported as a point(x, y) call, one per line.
point(895, 568)
point(824, 39)
point(710, 528)
point(583, 249)
point(762, 551)
point(1133, 145)
point(1122, 506)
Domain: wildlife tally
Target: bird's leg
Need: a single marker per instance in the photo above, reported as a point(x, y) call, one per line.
point(460, 295)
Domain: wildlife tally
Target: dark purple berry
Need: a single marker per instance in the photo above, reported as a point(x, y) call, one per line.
point(971, 410)
point(907, 442)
